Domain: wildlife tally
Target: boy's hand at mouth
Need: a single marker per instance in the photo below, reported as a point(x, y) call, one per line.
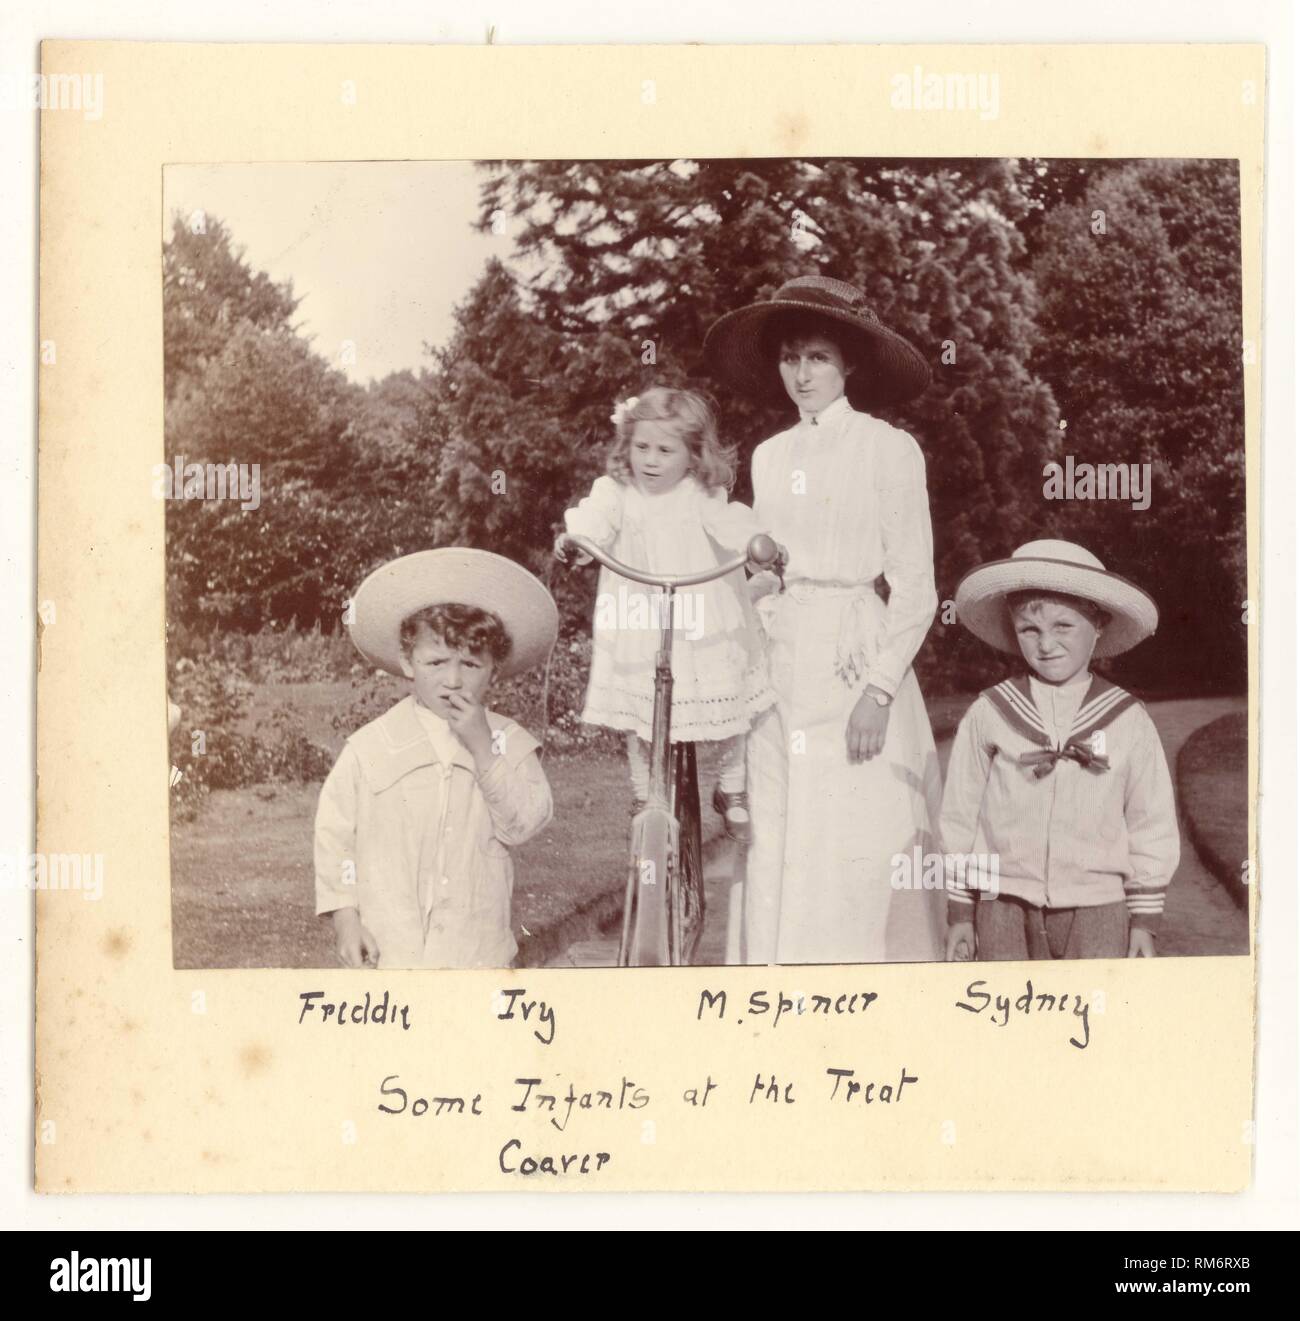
point(469, 723)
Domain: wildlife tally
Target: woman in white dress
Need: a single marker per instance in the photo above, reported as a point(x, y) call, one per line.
point(843, 777)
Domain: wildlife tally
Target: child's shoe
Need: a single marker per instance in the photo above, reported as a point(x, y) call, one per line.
point(734, 811)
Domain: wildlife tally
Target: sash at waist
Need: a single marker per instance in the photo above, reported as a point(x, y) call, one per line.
point(808, 589)
point(860, 610)
point(811, 589)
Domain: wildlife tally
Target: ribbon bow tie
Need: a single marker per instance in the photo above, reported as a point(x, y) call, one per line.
point(1044, 760)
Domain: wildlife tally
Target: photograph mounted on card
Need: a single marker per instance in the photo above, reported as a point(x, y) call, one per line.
point(1029, 792)
point(660, 647)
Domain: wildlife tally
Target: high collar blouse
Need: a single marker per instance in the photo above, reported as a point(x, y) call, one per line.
point(845, 493)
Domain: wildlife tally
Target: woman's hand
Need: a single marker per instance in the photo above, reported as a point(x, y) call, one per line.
point(357, 948)
point(1141, 943)
point(868, 724)
point(761, 585)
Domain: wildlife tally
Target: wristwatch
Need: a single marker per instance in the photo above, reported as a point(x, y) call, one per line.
point(880, 699)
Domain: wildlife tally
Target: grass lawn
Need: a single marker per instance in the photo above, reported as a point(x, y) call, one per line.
point(242, 889)
point(315, 705)
point(1212, 782)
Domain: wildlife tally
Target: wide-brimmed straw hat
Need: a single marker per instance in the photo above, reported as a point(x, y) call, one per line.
point(454, 575)
point(888, 368)
point(1054, 566)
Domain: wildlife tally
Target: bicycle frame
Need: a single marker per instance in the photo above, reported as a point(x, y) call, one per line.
point(655, 929)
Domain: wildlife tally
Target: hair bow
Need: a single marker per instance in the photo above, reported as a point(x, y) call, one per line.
point(623, 408)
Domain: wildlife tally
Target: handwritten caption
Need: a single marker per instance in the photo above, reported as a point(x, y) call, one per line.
point(559, 1102)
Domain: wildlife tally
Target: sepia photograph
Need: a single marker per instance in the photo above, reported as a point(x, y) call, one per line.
point(699, 561)
point(698, 635)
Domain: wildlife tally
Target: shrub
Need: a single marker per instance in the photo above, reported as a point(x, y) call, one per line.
point(288, 655)
point(211, 752)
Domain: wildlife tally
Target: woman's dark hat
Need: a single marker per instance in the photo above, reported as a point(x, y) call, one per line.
point(888, 368)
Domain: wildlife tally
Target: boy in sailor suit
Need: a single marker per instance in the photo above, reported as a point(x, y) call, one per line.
point(1058, 773)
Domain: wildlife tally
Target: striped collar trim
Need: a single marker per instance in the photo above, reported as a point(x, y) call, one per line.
point(1102, 702)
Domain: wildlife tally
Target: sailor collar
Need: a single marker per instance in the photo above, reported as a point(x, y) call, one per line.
point(1102, 703)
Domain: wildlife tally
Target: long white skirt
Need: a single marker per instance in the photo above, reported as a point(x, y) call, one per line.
point(818, 884)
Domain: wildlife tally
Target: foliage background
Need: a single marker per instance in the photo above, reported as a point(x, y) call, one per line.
point(1067, 307)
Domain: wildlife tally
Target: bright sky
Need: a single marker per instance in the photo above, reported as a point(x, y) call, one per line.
point(379, 251)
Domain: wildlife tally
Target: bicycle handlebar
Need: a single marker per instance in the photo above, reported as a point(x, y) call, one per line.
point(761, 551)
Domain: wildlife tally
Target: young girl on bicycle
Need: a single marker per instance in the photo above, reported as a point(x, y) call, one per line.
point(663, 508)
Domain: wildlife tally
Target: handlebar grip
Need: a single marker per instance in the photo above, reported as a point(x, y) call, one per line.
point(763, 551)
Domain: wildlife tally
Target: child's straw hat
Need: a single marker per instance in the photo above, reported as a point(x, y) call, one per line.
point(889, 369)
point(1054, 566)
point(454, 575)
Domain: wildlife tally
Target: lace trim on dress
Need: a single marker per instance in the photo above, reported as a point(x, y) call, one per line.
point(694, 719)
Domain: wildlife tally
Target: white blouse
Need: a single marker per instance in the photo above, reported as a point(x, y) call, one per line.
point(845, 494)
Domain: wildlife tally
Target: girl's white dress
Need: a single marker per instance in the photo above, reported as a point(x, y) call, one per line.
point(719, 669)
point(831, 875)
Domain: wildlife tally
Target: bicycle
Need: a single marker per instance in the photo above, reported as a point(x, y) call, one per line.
point(663, 907)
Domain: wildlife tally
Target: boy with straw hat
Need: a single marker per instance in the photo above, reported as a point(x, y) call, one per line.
point(1057, 773)
point(415, 820)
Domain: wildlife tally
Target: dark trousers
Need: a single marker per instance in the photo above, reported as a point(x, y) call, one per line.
point(1009, 928)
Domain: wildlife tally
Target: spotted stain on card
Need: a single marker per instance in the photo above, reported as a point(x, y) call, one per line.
point(255, 1058)
point(793, 129)
point(117, 943)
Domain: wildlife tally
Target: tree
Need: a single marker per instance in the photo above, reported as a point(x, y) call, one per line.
point(518, 423)
point(628, 263)
point(1141, 283)
point(208, 288)
point(345, 479)
point(1049, 182)
point(264, 399)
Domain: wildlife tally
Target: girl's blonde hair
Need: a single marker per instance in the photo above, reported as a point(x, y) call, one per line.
point(690, 416)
